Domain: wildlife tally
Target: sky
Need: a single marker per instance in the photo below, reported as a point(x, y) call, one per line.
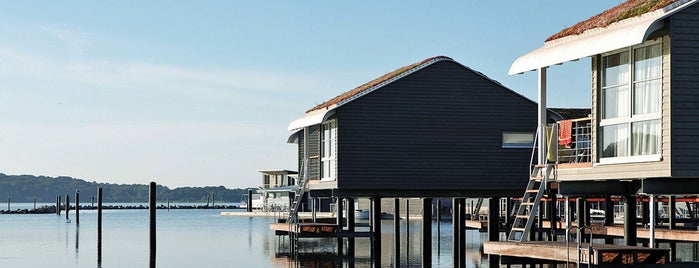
point(198, 93)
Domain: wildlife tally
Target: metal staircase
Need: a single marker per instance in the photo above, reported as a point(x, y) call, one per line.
point(298, 195)
point(528, 207)
point(477, 209)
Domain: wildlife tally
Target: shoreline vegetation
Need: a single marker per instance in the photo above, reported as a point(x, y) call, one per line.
point(52, 209)
point(43, 189)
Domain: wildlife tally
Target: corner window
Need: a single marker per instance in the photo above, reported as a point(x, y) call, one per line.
point(328, 153)
point(631, 103)
point(517, 140)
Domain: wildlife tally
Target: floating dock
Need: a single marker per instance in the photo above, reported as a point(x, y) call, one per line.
point(560, 252)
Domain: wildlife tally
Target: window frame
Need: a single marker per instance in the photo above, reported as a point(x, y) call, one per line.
point(631, 118)
point(331, 159)
point(507, 145)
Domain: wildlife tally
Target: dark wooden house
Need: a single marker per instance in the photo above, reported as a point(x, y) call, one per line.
point(433, 128)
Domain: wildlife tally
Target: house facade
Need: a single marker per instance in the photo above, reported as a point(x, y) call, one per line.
point(643, 125)
point(277, 189)
point(430, 129)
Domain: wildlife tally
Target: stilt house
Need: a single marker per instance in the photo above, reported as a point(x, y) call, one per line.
point(430, 129)
point(642, 133)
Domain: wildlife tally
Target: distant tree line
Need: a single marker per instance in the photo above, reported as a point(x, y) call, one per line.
point(23, 188)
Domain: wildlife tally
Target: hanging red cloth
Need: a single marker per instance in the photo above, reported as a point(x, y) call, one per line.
point(565, 131)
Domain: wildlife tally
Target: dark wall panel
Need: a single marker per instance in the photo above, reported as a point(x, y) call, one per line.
point(438, 128)
point(684, 64)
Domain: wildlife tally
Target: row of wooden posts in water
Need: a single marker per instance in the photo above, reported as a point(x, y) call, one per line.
point(151, 213)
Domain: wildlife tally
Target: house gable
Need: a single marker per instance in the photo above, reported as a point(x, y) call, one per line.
point(438, 128)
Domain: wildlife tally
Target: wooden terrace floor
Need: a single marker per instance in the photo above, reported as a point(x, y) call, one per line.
point(560, 252)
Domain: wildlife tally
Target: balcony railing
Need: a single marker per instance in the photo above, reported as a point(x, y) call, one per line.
point(573, 140)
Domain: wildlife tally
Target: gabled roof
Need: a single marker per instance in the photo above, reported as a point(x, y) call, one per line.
point(625, 25)
point(323, 111)
point(388, 77)
point(628, 9)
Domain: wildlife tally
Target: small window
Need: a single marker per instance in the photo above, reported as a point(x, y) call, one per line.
point(517, 140)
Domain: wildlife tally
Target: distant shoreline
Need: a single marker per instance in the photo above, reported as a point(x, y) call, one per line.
point(52, 209)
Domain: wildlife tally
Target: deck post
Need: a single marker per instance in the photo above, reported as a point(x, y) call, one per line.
point(376, 228)
point(608, 211)
point(672, 211)
point(541, 92)
point(580, 212)
point(396, 232)
point(338, 216)
point(426, 232)
point(456, 231)
point(314, 209)
point(462, 232)
point(608, 216)
point(350, 227)
point(645, 213)
point(553, 215)
point(568, 217)
point(493, 228)
point(630, 220)
point(653, 215)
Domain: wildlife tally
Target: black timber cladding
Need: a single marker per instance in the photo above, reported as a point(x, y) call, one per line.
point(313, 152)
point(438, 128)
point(684, 64)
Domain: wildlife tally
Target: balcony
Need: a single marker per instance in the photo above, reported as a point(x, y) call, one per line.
point(572, 145)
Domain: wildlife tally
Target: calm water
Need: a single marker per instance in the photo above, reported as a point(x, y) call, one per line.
point(194, 238)
point(202, 238)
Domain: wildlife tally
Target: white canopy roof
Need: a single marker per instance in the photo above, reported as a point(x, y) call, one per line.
point(311, 118)
point(618, 35)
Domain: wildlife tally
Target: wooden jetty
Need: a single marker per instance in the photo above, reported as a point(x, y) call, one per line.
point(598, 254)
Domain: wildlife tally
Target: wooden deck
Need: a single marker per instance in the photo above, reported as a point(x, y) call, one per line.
point(315, 230)
point(560, 252)
point(618, 231)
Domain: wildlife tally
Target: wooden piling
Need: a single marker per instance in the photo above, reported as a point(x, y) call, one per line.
point(456, 230)
point(439, 224)
point(426, 232)
point(671, 212)
point(249, 208)
point(99, 227)
point(34, 202)
point(338, 220)
point(77, 207)
point(493, 228)
point(58, 205)
point(630, 220)
point(462, 232)
point(396, 232)
point(151, 210)
point(67, 207)
point(376, 228)
point(213, 200)
point(350, 227)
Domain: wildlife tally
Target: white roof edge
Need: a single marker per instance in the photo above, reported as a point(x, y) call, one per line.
point(625, 33)
point(311, 118)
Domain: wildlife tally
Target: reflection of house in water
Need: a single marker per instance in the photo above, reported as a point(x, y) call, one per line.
point(277, 189)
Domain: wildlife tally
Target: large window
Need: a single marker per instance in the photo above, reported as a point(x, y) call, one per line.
point(631, 103)
point(328, 153)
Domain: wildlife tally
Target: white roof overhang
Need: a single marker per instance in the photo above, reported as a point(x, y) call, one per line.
point(311, 118)
point(618, 35)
